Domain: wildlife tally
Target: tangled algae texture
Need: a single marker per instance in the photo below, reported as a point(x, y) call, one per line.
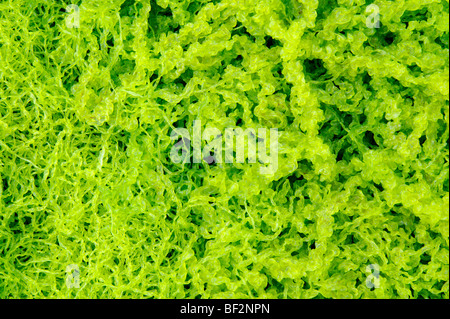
point(91, 90)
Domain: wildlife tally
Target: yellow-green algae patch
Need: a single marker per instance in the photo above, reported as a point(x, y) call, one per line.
point(86, 112)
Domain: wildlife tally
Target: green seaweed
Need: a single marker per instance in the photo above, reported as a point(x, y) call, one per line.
point(86, 177)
